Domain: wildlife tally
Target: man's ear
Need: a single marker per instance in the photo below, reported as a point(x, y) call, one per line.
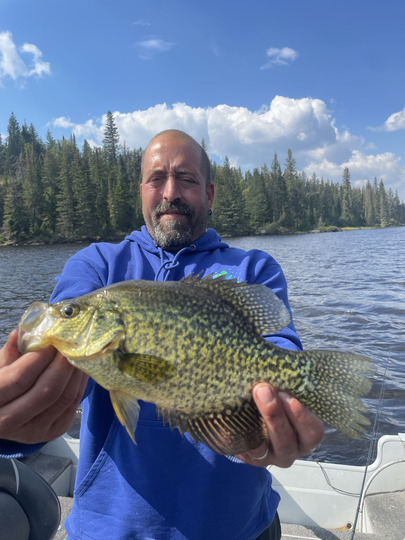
point(210, 194)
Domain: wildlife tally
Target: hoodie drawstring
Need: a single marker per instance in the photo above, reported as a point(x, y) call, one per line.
point(167, 266)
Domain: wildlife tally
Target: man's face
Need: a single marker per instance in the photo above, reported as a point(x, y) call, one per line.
point(175, 197)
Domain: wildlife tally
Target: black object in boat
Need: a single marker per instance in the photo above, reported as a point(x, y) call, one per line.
point(29, 508)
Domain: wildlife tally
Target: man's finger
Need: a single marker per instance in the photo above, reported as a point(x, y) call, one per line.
point(309, 427)
point(20, 375)
point(10, 352)
point(281, 435)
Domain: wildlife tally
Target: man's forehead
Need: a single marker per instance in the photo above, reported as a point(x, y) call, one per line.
point(173, 147)
point(181, 157)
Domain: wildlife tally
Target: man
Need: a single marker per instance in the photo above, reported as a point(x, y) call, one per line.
point(166, 486)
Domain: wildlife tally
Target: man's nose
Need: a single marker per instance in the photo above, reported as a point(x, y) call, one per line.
point(171, 190)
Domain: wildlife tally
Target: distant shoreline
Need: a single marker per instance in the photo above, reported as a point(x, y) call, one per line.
point(319, 230)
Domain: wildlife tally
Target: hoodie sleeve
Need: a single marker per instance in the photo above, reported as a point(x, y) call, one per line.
point(84, 272)
point(12, 449)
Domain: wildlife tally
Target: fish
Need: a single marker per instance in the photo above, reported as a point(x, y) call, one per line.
point(195, 348)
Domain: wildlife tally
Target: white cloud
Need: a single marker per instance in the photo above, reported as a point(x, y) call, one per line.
point(63, 122)
point(280, 57)
point(141, 22)
point(360, 165)
point(363, 167)
point(250, 138)
point(39, 67)
point(158, 45)
point(148, 47)
point(11, 63)
point(395, 121)
point(83, 131)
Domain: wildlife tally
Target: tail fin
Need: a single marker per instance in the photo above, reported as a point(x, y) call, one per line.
point(334, 384)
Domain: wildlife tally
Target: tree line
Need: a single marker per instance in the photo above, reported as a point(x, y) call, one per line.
point(52, 192)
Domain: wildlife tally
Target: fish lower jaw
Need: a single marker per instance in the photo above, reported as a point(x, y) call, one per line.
point(29, 343)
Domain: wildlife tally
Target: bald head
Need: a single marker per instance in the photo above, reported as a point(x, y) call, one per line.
point(182, 137)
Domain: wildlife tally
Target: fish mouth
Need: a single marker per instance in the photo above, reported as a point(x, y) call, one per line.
point(28, 342)
point(33, 327)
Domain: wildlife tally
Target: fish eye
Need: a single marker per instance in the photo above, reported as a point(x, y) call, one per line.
point(70, 310)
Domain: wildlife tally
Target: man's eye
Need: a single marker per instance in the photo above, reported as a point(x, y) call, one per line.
point(188, 180)
point(154, 180)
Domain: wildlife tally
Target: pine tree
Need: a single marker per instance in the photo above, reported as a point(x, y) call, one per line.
point(111, 139)
point(369, 205)
point(121, 205)
point(313, 200)
point(3, 152)
point(229, 211)
point(383, 205)
point(32, 190)
point(98, 173)
point(204, 146)
point(16, 225)
point(358, 214)
point(256, 200)
point(346, 198)
point(14, 147)
point(277, 190)
point(84, 214)
point(133, 168)
point(65, 200)
point(50, 174)
point(293, 215)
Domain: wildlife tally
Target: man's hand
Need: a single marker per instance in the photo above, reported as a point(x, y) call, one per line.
point(292, 429)
point(39, 393)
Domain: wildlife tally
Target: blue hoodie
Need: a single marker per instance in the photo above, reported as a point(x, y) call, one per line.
point(167, 486)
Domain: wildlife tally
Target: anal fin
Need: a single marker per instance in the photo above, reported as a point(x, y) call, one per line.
point(231, 431)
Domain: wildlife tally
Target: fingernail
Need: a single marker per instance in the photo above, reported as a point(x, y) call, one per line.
point(286, 398)
point(265, 394)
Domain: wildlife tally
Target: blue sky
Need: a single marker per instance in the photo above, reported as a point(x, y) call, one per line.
point(324, 78)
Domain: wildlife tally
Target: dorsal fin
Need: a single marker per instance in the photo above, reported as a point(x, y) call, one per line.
point(258, 304)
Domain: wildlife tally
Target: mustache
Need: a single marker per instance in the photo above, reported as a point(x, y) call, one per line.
point(166, 207)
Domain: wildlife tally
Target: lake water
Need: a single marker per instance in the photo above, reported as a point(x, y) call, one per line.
point(346, 289)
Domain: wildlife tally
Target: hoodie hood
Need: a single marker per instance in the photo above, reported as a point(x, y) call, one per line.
point(169, 260)
point(207, 242)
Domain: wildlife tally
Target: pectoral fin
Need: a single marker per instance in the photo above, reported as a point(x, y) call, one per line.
point(144, 368)
point(127, 410)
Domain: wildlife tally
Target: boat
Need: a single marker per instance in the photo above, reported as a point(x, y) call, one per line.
point(318, 500)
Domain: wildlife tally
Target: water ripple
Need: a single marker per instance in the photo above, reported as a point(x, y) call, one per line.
point(346, 289)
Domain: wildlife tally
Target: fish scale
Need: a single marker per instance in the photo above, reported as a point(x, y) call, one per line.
point(195, 349)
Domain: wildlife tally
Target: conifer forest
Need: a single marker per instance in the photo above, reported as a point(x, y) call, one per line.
point(53, 191)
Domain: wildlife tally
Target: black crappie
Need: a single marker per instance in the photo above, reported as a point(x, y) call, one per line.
point(194, 348)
